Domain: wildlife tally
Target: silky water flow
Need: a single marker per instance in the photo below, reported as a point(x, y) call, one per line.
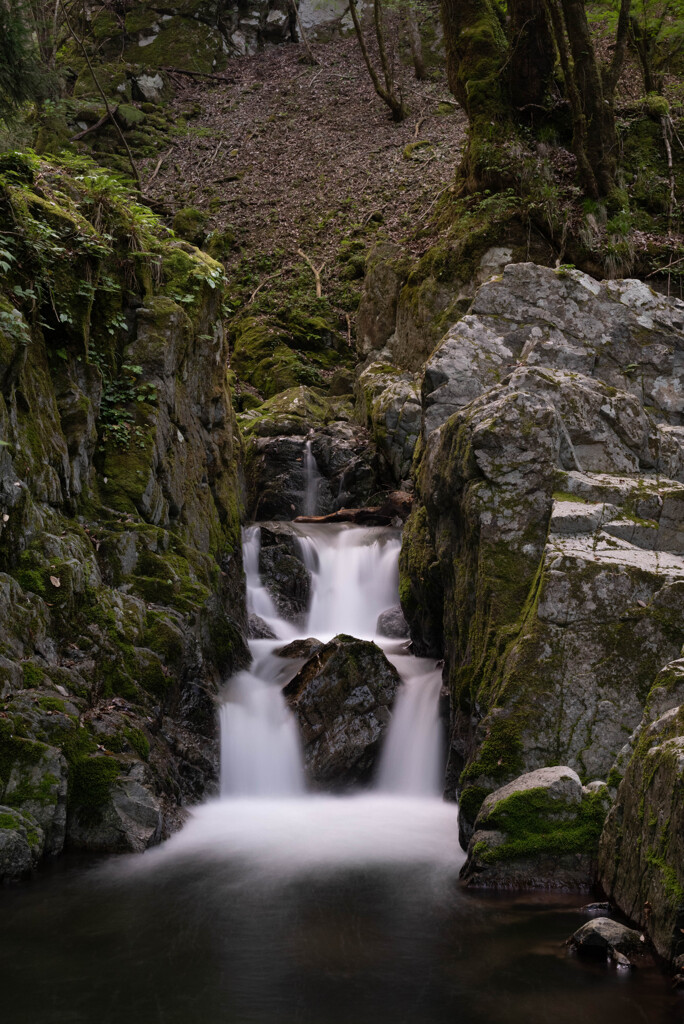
point(265, 817)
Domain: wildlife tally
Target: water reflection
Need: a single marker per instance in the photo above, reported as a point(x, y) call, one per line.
point(202, 941)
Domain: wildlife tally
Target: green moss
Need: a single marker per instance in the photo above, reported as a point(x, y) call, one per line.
point(191, 224)
point(672, 887)
point(164, 639)
point(52, 704)
point(90, 784)
point(33, 675)
point(534, 823)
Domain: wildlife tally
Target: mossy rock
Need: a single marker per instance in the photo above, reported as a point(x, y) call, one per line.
point(191, 224)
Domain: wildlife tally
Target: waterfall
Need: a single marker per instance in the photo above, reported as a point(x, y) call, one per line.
point(311, 481)
point(265, 820)
point(412, 759)
point(354, 578)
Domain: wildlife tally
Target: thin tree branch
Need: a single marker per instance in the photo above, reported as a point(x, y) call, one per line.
point(315, 271)
point(612, 74)
point(302, 34)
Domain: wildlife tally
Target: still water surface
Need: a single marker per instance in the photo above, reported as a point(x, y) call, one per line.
point(205, 942)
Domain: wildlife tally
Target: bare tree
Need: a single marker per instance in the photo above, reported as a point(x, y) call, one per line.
point(390, 91)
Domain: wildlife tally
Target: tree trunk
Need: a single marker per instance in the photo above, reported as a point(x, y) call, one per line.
point(532, 56)
point(476, 50)
point(601, 137)
point(415, 42)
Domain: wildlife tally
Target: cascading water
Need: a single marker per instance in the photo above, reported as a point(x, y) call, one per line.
point(312, 480)
point(265, 819)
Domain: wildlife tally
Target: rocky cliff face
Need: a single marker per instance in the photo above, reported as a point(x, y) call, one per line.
point(641, 860)
point(545, 554)
point(120, 562)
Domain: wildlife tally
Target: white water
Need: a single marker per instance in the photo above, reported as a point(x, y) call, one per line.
point(265, 821)
point(312, 479)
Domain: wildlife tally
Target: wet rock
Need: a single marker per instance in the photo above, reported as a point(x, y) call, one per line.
point(21, 843)
point(284, 574)
point(300, 648)
point(393, 624)
point(641, 853)
point(257, 629)
point(342, 698)
point(601, 936)
point(538, 832)
point(114, 809)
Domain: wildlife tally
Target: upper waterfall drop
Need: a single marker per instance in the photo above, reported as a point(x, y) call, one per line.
point(355, 577)
point(312, 480)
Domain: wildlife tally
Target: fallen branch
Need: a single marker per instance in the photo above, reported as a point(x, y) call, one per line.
point(316, 272)
point(93, 127)
point(157, 169)
point(197, 74)
point(265, 281)
point(397, 506)
point(417, 129)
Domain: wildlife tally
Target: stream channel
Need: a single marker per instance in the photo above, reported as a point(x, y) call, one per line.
point(275, 905)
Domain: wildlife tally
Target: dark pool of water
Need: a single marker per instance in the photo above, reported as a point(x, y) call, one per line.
point(199, 944)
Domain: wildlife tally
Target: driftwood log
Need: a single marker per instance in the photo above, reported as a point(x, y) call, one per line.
point(397, 505)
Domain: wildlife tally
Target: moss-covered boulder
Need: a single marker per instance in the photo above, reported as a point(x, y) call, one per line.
point(273, 354)
point(342, 698)
point(302, 435)
point(388, 403)
point(550, 491)
point(540, 831)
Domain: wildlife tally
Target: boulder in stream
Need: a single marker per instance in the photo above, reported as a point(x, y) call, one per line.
point(538, 832)
point(342, 698)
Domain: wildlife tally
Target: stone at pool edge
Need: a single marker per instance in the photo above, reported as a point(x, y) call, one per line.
point(537, 832)
point(601, 936)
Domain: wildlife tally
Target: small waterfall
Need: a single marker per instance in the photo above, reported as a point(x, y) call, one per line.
point(260, 754)
point(412, 760)
point(312, 480)
point(259, 601)
point(355, 577)
point(266, 821)
point(354, 574)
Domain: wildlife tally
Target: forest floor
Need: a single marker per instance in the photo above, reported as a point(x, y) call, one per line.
point(290, 156)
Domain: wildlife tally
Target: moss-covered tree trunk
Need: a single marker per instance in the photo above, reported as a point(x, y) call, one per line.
point(477, 51)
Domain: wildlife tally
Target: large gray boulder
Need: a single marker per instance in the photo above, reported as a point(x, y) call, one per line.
point(538, 832)
point(621, 332)
point(342, 698)
point(546, 534)
point(388, 402)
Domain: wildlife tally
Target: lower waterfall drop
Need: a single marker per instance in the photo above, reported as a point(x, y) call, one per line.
point(265, 819)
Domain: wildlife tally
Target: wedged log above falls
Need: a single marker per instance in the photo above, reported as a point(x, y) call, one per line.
point(397, 505)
